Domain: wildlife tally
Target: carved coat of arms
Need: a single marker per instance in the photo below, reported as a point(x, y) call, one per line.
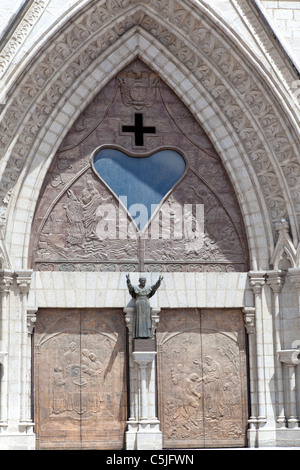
point(138, 88)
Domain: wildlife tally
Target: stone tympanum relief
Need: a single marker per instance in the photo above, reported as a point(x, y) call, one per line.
point(80, 379)
point(202, 378)
point(83, 223)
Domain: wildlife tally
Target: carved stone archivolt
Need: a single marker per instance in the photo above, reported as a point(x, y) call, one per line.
point(72, 215)
point(19, 36)
point(219, 68)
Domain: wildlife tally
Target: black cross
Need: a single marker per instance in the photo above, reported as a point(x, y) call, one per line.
point(139, 130)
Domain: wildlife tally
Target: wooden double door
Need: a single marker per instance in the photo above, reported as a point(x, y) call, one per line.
point(80, 397)
point(80, 392)
point(202, 378)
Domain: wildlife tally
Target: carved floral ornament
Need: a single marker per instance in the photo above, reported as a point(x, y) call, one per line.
point(198, 48)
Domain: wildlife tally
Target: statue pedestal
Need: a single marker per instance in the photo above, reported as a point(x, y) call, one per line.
point(143, 436)
point(143, 432)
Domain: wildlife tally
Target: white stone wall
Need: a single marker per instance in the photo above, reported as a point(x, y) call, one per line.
point(285, 16)
point(109, 290)
point(8, 10)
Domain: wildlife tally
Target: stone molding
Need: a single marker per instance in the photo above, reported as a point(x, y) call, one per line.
point(275, 279)
point(24, 280)
point(257, 279)
point(20, 34)
point(31, 320)
point(78, 47)
point(6, 281)
point(249, 319)
point(290, 357)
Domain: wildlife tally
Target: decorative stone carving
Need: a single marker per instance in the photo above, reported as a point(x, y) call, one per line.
point(202, 372)
point(6, 281)
point(284, 255)
point(257, 280)
point(20, 34)
point(4, 257)
point(31, 321)
point(275, 279)
point(65, 235)
point(249, 319)
point(81, 355)
point(24, 280)
point(138, 88)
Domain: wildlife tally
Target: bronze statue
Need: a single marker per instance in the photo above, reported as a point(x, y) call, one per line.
point(143, 324)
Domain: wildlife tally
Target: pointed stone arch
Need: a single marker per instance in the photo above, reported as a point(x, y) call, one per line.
point(219, 84)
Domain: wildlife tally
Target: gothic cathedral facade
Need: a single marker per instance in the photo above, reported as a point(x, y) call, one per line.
point(150, 141)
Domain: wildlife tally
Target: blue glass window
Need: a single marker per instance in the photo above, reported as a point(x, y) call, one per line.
point(142, 180)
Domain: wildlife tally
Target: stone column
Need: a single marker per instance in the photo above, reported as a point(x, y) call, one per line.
point(249, 319)
point(276, 280)
point(290, 358)
point(257, 281)
point(31, 321)
point(26, 424)
point(6, 281)
point(143, 426)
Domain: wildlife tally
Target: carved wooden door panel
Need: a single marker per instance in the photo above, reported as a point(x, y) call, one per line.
point(202, 378)
point(79, 379)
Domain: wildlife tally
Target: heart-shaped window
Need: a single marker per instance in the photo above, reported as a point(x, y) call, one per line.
point(140, 182)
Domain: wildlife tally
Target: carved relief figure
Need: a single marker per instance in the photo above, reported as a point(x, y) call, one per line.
point(74, 218)
point(58, 398)
point(71, 355)
point(192, 397)
point(76, 382)
point(91, 200)
point(176, 408)
point(201, 377)
point(93, 368)
point(142, 293)
point(214, 405)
